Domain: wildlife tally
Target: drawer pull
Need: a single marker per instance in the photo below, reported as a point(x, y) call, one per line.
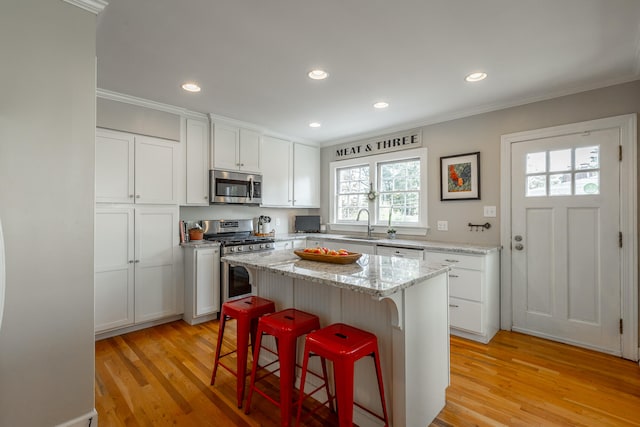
point(453, 306)
point(453, 275)
point(452, 260)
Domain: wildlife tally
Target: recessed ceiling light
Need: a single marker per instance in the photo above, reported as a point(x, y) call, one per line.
point(476, 77)
point(381, 104)
point(318, 74)
point(314, 125)
point(191, 87)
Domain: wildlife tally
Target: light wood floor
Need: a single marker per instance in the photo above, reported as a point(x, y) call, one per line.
point(160, 377)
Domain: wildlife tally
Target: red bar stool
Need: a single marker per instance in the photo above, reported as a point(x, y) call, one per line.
point(246, 311)
point(286, 326)
point(343, 345)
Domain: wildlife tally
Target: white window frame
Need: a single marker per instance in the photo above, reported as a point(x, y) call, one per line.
point(380, 224)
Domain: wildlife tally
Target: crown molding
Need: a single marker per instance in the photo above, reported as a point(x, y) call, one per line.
point(636, 65)
point(481, 110)
point(93, 6)
point(141, 102)
point(261, 129)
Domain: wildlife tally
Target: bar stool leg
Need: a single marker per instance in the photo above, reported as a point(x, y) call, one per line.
point(286, 354)
point(243, 336)
point(254, 368)
point(376, 358)
point(303, 378)
point(344, 392)
point(223, 320)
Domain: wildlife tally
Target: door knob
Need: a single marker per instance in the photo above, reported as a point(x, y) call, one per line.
point(518, 247)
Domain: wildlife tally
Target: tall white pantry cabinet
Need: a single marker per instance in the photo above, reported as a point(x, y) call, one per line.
point(136, 230)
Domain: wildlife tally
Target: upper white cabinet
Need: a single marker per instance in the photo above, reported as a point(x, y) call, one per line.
point(306, 176)
point(197, 157)
point(235, 148)
point(135, 169)
point(277, 158)
point(290, 174)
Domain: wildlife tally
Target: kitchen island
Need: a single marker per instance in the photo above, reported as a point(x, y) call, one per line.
point(403, 301)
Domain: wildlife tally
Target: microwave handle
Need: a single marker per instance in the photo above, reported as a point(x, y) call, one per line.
point(250, 189)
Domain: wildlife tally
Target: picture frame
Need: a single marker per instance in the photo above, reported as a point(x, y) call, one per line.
point(460, 177)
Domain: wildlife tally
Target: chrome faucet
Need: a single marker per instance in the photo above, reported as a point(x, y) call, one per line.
point(369, 227)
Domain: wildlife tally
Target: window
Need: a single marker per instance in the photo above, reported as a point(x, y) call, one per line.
point(399, 187)
point(564, 172)
point(399, 179)
point(353, 187)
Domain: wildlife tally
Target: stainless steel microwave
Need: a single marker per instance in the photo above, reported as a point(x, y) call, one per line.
point(235, 188)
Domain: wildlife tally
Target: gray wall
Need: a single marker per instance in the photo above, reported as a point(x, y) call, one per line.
point(47, 131)
point(482, 133)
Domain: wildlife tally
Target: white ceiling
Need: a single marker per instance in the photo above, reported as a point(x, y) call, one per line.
point(251, 57)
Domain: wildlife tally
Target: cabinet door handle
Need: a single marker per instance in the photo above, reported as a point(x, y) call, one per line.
point(452, 260)
point(241, 164)
point(453, 275)
point(131, 261)
point(131, 196)
point(137, 196)
point(137, 261)
point(205, 197)
point(453, 306)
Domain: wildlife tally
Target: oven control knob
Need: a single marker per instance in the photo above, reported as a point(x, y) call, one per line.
point(239, 249)
point(232, 249)
point(251, 247)
point(262, 246)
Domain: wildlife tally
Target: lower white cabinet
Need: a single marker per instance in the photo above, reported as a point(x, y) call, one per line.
point(291, 244)
point(400, 252)
point(202, 284)
point(135, 280)
point(474, 293)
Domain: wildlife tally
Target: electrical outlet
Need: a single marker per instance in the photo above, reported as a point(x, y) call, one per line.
point(443, 225)
point(277, 222)
point(490, 211)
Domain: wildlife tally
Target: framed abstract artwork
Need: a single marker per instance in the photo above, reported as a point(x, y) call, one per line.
point(460, 177)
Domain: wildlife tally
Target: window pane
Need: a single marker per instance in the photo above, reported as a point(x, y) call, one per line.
point(560, 160)
point(587, 158)
point(588, 183)
point(560, 184)
point(399, 188)
point(536, 185)
point(536, 162)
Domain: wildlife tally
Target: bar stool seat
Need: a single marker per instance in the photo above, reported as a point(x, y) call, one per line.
point(343, 345)
point(246, 311)
point(286, 326)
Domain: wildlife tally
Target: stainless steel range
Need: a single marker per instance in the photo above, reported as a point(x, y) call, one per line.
point(235, 236)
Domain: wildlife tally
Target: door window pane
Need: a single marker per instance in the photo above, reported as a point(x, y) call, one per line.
point(536, 185)
point(536, 162)
point(560, 160)
point(560, 184)
point(587, 158)
point(587, 183)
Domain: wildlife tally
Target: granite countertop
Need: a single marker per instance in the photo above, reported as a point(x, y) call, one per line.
point(378, 276)
point(462, 248)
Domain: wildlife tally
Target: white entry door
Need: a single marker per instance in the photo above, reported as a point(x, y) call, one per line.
point(565, 224)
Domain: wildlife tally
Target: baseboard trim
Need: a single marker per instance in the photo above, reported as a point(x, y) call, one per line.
point(115, 332)
point(88, 419)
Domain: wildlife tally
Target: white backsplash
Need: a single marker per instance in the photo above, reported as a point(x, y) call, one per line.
point(282, 220)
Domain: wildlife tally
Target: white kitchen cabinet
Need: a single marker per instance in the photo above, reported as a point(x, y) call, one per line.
point(306, 176)
point(290, 174)
point(114, 259)
point(135, 280)
point(474, 293)
point(291, 244)
point(202, 284)
point(235, 148)
point(276, 161)
point(400, 252)
point(135, 169)
point(197, 163)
